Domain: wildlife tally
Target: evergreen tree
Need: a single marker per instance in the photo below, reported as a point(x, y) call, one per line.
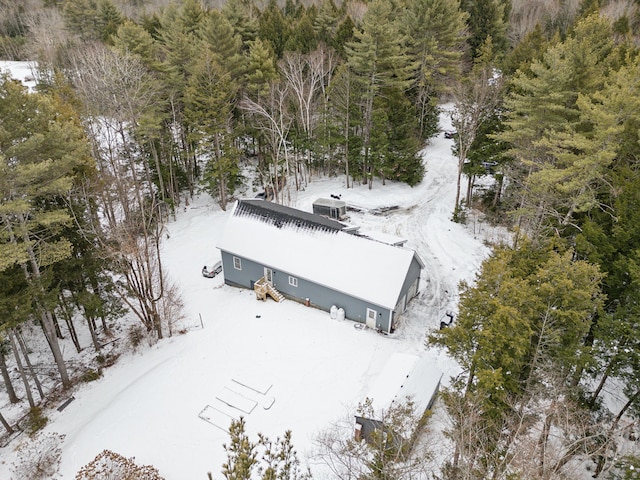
point(435, 32)
point(395, 142)
point(487, 19)
point(344, 35)
point(221, 40)
point(81, 16)
point(552, 126)
point(325, 22)
point(303, 38)
point(261, 69)
point(134, 39)
point(379, 62)
point(208, 100)
point(43, 152)
point(242, 456)
point(528, 307)
point(274, 28)
point(242, 17)
point(109, 20)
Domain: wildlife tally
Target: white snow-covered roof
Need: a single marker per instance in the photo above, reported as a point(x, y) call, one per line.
point(405, 376)
point(359, 267)
point(383, 237)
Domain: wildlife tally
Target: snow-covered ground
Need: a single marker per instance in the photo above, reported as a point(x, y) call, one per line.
point(23, 71)
point(317, 368)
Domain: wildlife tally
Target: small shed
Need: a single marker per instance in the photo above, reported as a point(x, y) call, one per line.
point(329, 207)
point(404, 377)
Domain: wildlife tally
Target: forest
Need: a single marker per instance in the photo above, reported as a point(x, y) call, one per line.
point(142, 104)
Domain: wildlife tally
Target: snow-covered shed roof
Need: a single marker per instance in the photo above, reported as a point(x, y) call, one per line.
point(315, 248)
point(330, 202)
point(405, 376)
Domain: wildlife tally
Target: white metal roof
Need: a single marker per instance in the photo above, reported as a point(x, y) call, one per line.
point(359, 267)
point(405, 376)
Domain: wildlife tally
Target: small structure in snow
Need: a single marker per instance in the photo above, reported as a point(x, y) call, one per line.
point(330, 207)
point(404, 378)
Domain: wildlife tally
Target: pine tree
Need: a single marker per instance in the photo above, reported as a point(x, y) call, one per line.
point(487, 19)
point(325, 22)
point(221, 40)
point(134, 39)
point(82, 17)
point(241, 15)
point(274, 28)
point(261, 69)
point(552, 126)
point(242, 456)
point(108, 21)
point(379, 62)
point(208, 101)
point(395, 141)
point(43, 152)
point(435, 32)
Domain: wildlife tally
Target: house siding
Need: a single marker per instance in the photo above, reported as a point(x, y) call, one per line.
point(319, 296)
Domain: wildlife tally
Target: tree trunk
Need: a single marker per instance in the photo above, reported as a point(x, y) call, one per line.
point(13, 398)
point(23, 374)
point(46, 318)
point(542, 442)
point(6, 425)
point(92, 331)
point(23, 348)
point(69, 321)
point(56, 325)
point(631, 401)
point(596, 393)
point(50, 333)
point(96, 290)
point(498, 193)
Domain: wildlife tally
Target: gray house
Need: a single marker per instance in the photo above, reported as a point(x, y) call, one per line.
point(316, 261)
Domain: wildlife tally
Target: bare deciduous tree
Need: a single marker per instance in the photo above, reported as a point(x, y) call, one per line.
point(387, 452)
point(274, 120)
point(476, 98)
point(116, 92)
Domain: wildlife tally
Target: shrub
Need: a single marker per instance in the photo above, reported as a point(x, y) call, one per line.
point(40, 460)
point(109, 465)
point(35, 420)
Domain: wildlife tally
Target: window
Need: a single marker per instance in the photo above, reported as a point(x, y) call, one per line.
point(237, 263)
point(293, 281)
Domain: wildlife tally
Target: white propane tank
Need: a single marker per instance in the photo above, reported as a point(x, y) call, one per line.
point(341, 314)
point(333, 312)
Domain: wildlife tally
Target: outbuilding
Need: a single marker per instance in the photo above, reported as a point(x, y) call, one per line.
point(404, 378)
point(314, 260)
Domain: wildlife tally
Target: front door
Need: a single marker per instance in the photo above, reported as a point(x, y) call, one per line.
point(268, 275)
point(372, 316)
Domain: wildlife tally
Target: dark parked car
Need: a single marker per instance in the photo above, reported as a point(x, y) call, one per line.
point(449, 134)
point(213, 271)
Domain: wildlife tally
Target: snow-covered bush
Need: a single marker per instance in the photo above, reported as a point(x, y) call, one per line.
point(39, 458)
point(109, 465)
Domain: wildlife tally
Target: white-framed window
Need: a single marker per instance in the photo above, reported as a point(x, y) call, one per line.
point(293, 281)
point(237, 263)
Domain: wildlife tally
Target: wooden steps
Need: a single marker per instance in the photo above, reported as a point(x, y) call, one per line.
point(264, 288)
